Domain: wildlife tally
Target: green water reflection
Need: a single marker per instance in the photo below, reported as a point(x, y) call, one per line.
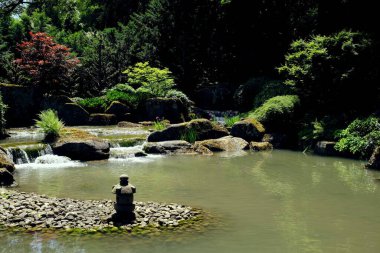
point(268, 202)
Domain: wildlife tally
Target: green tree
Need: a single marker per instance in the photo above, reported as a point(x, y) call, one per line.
point(329, 73)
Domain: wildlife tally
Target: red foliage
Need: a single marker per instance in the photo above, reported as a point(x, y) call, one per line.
point(46, 63)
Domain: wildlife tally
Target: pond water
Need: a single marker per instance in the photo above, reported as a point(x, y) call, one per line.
point(278, 201)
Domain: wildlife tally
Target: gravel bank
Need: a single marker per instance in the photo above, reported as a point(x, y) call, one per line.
point(38, 212)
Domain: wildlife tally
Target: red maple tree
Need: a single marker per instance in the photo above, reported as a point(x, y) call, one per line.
point(48, 65)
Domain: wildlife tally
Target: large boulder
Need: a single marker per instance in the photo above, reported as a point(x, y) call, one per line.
point(248, 129)
point(6, 178)
point(83, 150)
point(5, 161)
point(128, 124)
point(169, 147)
point(374, 161)
point(56, 103)
point(22, 104)
point(203, 129)
point(102, 119)
point(120, 110)
point(227, 143)
point(171, 109)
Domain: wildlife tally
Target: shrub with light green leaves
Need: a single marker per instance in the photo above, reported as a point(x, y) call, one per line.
point(360, 138)
point(49, 123)
point(157, 81)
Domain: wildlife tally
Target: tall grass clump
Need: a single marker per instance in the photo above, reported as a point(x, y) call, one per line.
point(50, 124)
point(190, 135)
point(230, 121)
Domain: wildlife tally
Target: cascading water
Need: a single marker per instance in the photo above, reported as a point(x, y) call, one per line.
point(28, 153)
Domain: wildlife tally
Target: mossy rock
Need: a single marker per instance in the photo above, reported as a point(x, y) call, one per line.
point(73, 115)
point(203, 130)
point(119, 109)
point(248, 129)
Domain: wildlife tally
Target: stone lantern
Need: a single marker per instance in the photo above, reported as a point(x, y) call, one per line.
point(124, 200)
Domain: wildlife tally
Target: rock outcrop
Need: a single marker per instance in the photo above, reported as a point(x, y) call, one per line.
point(227, 143)
point(7, 167)
point(248, 129)
point(169, 147)
point(202, 129)
point(83, 150)
point(171, 109)
point(80, 145)
point(120, 110)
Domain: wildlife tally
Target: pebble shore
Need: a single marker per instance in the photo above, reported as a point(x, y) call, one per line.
point(35, 212)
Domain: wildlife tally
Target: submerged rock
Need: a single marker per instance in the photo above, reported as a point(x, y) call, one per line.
point(168, 147)
point(248, 129)
point(227, 143)
point(374, 161)
point(83, 150)
point(260, 146)
point(202, 129)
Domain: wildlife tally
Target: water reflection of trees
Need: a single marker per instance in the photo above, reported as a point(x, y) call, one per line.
point(357, 179)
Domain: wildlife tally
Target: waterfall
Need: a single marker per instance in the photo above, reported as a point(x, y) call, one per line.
point(28, 153)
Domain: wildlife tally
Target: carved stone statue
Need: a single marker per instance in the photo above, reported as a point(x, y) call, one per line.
point(124, 199)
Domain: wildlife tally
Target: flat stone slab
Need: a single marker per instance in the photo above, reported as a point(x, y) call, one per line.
point(29, 211)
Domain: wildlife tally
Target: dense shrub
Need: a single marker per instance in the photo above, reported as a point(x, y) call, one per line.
point(49, 123)
point(360, 137)
point(276, 112)
point(326, 71)
point(95, 104)
point(157, 81)
point(179, 95)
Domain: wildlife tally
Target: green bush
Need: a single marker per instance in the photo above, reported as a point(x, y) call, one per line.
point(360, 137)
point(326, 70)
point(179, 95)
point(93, 104)
point(49, 123)
point(269, 90)
point(127, 98)
point(276, 112)
point(157, 81)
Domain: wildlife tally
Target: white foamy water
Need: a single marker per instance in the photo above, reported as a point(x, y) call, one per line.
point(127, 154)
point(51, 162)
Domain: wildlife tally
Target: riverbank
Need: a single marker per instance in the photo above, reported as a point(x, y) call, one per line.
point(33, 212)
